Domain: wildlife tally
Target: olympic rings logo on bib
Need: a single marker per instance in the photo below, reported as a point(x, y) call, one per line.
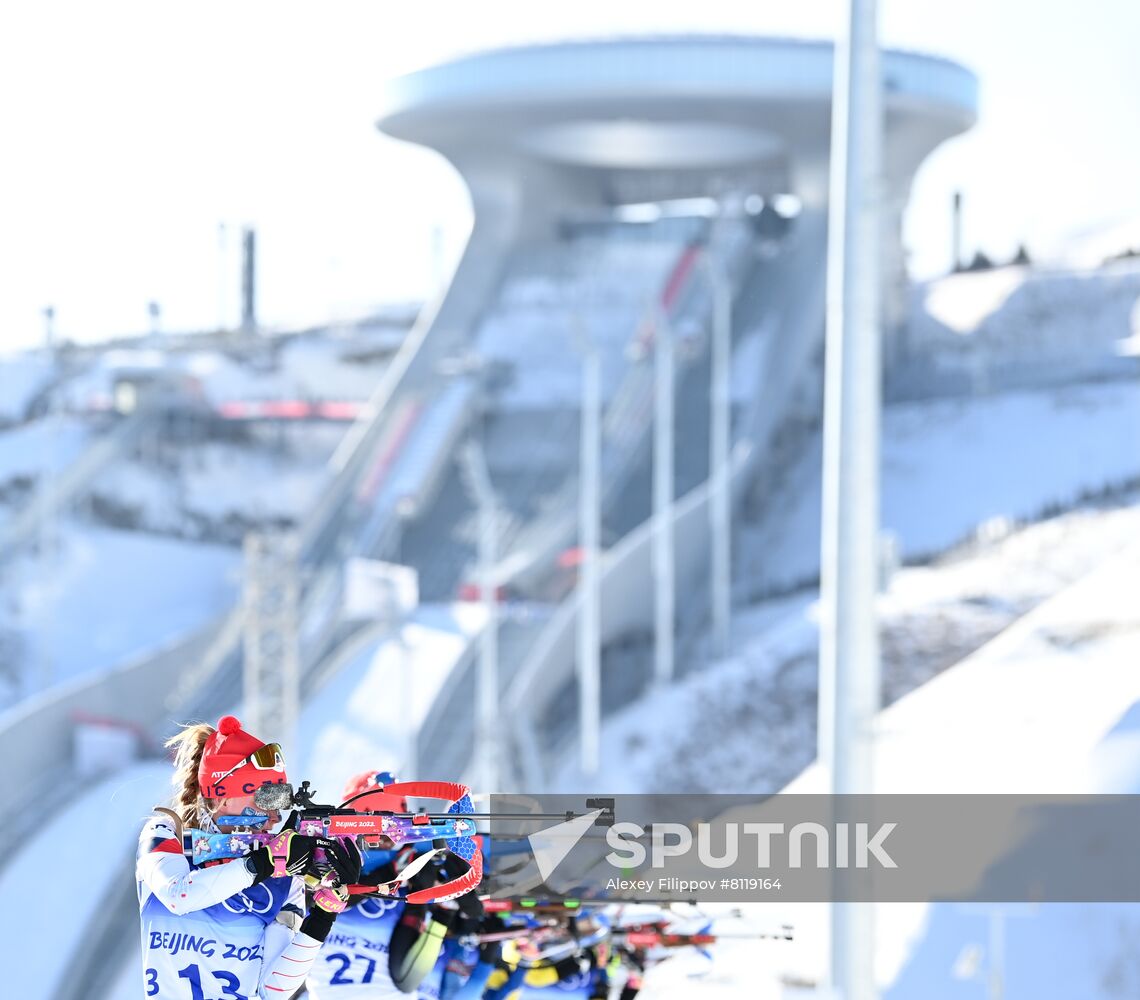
point(241, 903)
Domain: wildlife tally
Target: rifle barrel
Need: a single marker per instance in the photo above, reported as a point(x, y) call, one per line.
point(563, 817)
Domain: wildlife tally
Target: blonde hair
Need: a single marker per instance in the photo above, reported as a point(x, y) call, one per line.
point(188, 746)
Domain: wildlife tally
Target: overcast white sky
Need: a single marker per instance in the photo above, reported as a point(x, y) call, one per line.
point(133, 129)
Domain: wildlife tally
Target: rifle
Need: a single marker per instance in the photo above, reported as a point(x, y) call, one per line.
point(658, 937)
point(449, 833)
point(656, 934)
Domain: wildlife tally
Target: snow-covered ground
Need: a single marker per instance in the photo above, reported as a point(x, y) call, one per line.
point(33, 449)
point(1025, 314)
point(950, 466)
point(219, 490)
point(96, 834)
point(932, 617)
point(118, 575)
point(95, 598)
point(589, 289)
point(369, 711)
point(22, 378)
point(326, 365)
point(1049, 706)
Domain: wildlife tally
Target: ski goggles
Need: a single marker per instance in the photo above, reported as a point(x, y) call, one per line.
point(267, 758)
point(265, 764)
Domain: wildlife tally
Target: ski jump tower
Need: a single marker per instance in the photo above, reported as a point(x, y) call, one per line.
point(542, 132)
point(551, 133)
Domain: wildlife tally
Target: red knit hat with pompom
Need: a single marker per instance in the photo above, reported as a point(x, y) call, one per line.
point(227, 769)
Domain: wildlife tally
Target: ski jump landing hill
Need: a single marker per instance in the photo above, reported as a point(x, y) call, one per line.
point(545, 135)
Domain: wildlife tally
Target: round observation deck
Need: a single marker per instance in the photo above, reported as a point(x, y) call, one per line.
point(687, 104)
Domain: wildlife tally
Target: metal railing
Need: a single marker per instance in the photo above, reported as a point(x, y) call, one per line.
point(626, 601)
point(533, 645)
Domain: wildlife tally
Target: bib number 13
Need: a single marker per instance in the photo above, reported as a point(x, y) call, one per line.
point(229, 982)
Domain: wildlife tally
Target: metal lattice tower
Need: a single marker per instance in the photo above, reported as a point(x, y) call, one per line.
point(272, 672)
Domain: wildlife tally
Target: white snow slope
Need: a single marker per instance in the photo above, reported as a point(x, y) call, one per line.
point(952, 465)
point(100, 597)
point(1050, 706)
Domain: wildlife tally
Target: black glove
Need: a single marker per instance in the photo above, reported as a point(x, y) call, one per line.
point(464, 925)
point(568, 968)
point(444, 916)
point(341, 857)
point(318, 923)
point(491, 951)
point(289, 853)
point(425, 878)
